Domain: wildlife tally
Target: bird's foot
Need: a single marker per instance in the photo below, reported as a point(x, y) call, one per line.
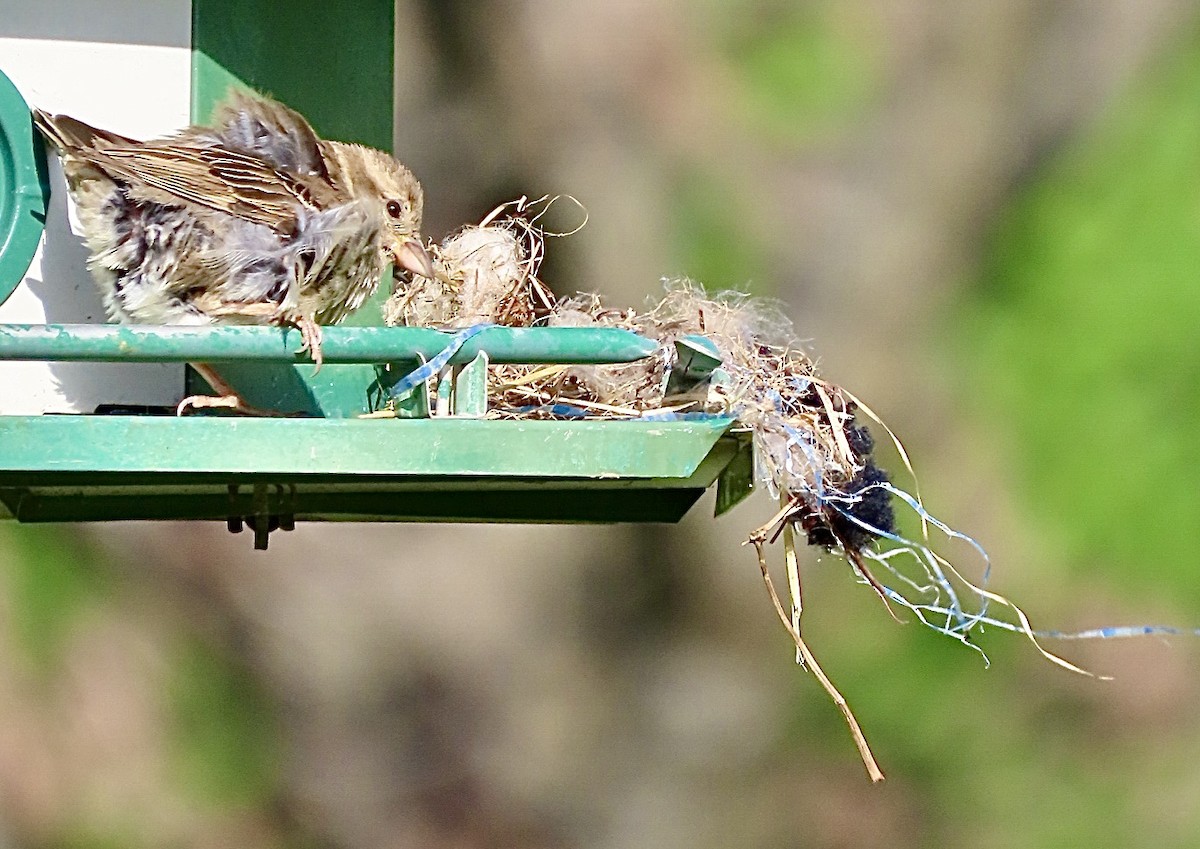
point(226, 397)
point(233, 403)
point(310, 331)
point(310, 334)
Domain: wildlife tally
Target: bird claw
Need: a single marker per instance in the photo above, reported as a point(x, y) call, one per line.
point(233, 403)
point(310, 333)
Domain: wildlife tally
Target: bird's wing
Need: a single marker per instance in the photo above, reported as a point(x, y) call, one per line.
point(211, 178)
point(257, 125)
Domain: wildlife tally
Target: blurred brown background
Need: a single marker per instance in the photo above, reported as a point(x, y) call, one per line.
point(984, 218)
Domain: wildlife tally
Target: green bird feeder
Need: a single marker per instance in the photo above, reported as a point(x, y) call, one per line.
point(87, 428)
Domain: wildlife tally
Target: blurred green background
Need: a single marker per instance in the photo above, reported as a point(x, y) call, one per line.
point(986, 219)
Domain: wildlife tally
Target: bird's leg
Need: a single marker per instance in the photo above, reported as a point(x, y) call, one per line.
point(227, 398)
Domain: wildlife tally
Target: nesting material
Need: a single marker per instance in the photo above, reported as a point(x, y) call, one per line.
point(813, 451)
point(485, 273)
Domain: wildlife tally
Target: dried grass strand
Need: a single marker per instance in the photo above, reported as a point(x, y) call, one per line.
point(810, 661)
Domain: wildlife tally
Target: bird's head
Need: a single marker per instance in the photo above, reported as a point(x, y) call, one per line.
point(373, 175)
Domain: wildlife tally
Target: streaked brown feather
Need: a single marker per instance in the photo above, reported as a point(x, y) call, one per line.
point(210, 178)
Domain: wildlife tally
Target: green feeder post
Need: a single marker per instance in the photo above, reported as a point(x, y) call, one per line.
point(333, 63)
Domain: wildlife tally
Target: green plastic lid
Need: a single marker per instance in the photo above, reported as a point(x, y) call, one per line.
point(24, 188)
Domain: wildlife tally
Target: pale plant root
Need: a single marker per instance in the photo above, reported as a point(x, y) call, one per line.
point(810, 661)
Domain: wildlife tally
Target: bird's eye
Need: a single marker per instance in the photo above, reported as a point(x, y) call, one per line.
point(394, 208)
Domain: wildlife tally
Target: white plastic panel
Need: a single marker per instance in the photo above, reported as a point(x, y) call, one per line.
point(124, 66)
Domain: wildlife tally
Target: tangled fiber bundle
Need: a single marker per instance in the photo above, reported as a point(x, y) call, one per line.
point(484, 273)
point(812, 450)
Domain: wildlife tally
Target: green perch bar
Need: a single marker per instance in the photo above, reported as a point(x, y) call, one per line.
point(150, 344)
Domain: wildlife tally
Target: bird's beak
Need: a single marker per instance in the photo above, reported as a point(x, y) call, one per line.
point(412, 256)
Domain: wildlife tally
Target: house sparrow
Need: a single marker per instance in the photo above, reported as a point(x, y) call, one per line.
point(252, 219)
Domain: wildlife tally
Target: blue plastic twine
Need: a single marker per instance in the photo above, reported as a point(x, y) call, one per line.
point(423, 373)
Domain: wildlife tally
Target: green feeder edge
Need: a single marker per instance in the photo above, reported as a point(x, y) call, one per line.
point(24, 188)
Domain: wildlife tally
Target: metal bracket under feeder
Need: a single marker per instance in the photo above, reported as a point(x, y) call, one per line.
point(336, 466)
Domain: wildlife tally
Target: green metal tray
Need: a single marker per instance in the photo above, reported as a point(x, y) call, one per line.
point(270, 473)
point(275, 472)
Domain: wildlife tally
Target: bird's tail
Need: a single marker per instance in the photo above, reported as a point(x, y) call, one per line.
point(70, 135)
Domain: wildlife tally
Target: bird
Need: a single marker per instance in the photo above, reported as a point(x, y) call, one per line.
point(251, 218)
